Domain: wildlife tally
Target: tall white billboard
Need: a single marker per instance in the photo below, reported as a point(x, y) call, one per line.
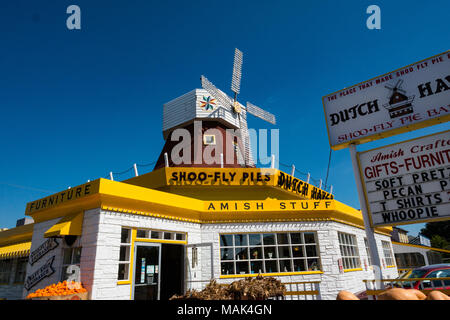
point(408, 182)
point(409, 98)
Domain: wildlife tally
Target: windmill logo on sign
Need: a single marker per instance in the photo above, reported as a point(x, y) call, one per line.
point(399, 103)
point(239, 110)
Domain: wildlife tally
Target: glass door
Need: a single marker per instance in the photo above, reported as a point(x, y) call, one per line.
point(146, 276)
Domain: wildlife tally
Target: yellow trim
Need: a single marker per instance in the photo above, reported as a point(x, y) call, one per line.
point(419, 246)
point(351, 270)
point(273, 274)
point(15, 250)
point(131, 268)
point(390, 267)
point(388, 133)
point(161, 241)
point(122, 282)
point(70, 225)
point(19, 234)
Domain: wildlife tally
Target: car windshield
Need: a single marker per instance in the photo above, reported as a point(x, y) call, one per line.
point(417, 274)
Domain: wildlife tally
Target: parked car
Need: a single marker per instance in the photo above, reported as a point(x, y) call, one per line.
point(432, 271)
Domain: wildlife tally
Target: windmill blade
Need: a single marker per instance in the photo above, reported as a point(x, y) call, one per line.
point(223, 98)
point(260, 113)
point(399, 83)
point(237, 71)
point(245, 138)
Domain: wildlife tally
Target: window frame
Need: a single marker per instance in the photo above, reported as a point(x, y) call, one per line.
point(347, 247)
point(268, 253)
point(126, 263)
point(389, 259)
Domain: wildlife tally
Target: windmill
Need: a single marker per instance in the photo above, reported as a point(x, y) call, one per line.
point(399, 103)
point(235, 106)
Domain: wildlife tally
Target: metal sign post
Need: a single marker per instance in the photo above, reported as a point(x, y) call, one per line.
point(373, 250)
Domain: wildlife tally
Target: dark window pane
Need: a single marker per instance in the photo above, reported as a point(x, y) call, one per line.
point(285, 266)
point(296, 238)
point(180, 236)
point(313, 265)
point(227, 268)
point(270, 252)
point(156, 235)
point(311, 251)
point(240, 240)
point(271, 266)
point(226, 254)
point(124, 253)
point(284, 252)
point(256, 253)
point(226, 240)
point(76, 256)
point(297, 251)
point(141, 234)
point(67, 256)
point(254, 239)
point(242, 267)
point(299, 265)
point(168, 235)
point(309, 237)
point(282, 238)
point(269, 239)
point(256, 267)
point(242, 253)
point(123, 272)
point(125, 236)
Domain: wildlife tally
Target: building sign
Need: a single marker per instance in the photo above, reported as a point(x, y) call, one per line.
point(47, 246)
point(244, 177)
point(403, 100)
point(408, 182)
point(63, 197)
point(219, 177)
point(269, 205)
point(43, 272)
point(301, 188)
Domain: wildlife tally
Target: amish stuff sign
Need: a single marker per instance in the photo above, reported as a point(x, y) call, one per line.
point(408, 182)
point(409, 98)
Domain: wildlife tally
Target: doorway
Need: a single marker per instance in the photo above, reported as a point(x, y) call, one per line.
point(158, 271)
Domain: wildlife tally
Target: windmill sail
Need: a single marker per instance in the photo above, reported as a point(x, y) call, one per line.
point(237, 72)
point(260, 113)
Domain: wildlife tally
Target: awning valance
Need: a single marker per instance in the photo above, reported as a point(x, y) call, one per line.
point(15, 250)
point(70, 225)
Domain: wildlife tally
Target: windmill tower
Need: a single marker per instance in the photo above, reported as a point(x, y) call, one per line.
point(216, 110)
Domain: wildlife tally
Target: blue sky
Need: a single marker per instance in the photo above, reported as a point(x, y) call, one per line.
point(77, 104)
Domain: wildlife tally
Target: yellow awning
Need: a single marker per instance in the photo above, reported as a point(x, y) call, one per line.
point(15, 250)
point(70, 225)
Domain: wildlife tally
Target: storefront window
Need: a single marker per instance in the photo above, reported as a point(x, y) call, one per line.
point(21, 270)
point(71, 256)
point(124, 254)
point(255, 253)
point(5, 271)
point(349, 251)
point(387, 253)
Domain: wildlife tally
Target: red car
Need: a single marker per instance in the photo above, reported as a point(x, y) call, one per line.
point(431, 271)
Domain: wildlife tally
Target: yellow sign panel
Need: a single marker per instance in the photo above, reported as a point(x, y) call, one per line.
point(63, 197)
point(244, 177)
point(269, 205)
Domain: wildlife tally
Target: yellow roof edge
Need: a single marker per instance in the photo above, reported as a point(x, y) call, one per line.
point(17, 234)
point(419, 246)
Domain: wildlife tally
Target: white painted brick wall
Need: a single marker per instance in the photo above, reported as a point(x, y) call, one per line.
point(100, 243)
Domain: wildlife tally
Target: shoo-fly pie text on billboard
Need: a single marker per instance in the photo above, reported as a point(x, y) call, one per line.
point(408, 182)
point(409, 98)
